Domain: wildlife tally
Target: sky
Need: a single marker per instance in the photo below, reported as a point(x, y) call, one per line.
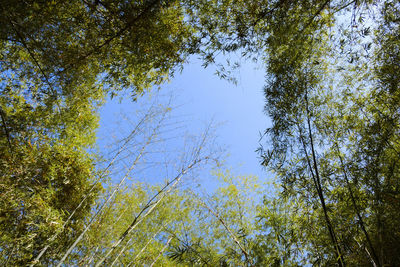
point(199, 97)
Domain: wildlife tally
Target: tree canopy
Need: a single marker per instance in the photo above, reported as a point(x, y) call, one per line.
point(331, 91)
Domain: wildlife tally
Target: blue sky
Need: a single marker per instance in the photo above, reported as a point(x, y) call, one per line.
point(199, 97)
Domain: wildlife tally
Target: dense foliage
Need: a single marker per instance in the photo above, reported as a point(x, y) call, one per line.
point(332, 94)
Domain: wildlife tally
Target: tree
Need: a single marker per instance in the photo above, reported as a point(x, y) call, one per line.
point(122, 44)
point(222, 226)
point(333, 124)
point(331, 92)
point(204, 231)
point(43, 178)
point(59, 59)
point(281, 236)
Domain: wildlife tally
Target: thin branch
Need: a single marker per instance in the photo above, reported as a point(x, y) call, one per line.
point(187, 244)
point(129, 242)
point(224, 224)
point(314, 16)
point(144, 247)
point(35, 61)
point(344, 6)
point(265, 13)
point(152, 4)
point(366, 251)
point(161, 252)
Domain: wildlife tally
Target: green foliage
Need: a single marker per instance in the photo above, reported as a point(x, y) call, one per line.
point(58, 60)
point(332, 93)
point(63, 44)
point(42, 182)
point(198, 237)
point(333, 136)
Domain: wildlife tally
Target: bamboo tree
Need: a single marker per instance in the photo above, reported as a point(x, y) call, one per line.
point(152, 203)
point(162, 251)
point(317, 181)
point(98, 179)
point(132, 166)
point(231, 234)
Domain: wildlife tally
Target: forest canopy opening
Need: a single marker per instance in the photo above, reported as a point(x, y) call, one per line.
point(331, 92)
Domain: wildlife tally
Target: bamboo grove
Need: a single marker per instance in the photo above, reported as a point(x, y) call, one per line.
point(331, 91)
